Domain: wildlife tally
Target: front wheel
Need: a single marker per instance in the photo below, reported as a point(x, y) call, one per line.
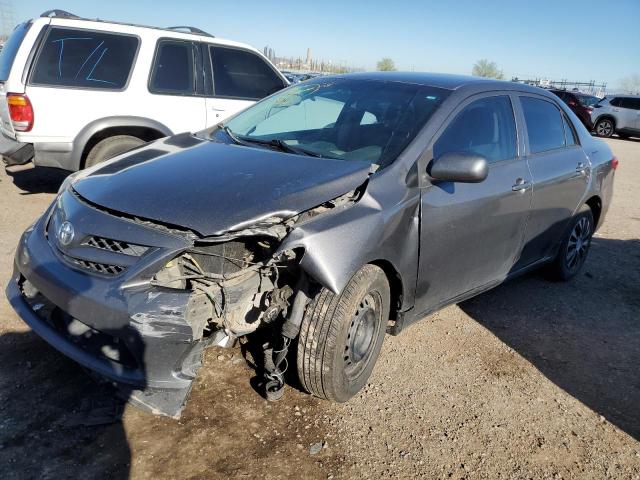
point(341, 336)
point(575, 246)
point(605, 128)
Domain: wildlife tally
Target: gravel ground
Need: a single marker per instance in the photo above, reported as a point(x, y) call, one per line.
point(530, 380)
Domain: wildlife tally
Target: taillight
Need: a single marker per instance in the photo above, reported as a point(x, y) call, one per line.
point(614, 162)
point(20, 111)
point(590, 109)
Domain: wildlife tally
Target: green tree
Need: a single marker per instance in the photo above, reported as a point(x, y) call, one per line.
point(485, 68)
point(386, 65)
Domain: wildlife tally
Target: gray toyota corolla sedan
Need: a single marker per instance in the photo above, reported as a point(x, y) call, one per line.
point(313, 222)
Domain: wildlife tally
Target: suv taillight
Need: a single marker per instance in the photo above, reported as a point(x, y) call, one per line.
point(20, 111)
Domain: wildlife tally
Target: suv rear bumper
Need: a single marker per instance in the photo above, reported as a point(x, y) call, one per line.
point(54, 154)
point(14, 152)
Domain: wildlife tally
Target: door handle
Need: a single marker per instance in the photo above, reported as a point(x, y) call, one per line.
point(521, 185)
point(581, 168)
point(217, 109)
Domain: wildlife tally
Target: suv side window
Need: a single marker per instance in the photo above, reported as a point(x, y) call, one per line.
point(173, 71)
point(85, 58)
point(241, 74)
point(634, 103)
point(615, 102)
point(485, 127)
point(544, 124)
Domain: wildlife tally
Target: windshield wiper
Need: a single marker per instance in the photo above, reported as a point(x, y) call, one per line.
point(280, 145)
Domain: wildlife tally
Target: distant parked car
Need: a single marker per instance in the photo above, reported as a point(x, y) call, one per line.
point(325, 215)
point(580, 103)
point(617, 114)
point(79, 91)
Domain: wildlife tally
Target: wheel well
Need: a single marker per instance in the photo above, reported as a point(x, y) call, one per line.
point(595, 204)
point(144, 133)
point(395, 287)
point(607, 116)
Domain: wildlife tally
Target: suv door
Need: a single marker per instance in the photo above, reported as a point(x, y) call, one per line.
point(239, 78)
point(471, 233)
point(560, 170)
point(177, 83)
point(635, 107)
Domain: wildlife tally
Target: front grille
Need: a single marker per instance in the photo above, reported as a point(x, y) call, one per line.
point(116, 246)
point(96, 267)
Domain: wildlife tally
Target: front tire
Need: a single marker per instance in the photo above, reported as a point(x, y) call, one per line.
point(605, 127)
point(575, 246)
point(341, 336)
point(111, 147)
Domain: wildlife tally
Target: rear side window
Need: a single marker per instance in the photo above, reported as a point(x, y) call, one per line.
point(631, 103)
point(544, 124)
point(569, 133)
point(10, 49)
point(173, 68)
point(485, 127)
point(85, 58)
point(242, 74)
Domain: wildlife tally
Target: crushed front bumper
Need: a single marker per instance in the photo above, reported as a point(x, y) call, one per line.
point(118, 326)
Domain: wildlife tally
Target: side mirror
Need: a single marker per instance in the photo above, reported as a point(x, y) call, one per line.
point(459, 167)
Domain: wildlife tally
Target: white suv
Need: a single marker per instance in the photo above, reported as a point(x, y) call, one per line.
point(74, 92)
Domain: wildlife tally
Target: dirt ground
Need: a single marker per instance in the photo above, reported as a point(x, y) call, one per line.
point(530, 380)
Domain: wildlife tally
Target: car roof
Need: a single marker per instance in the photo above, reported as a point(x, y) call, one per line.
point(440, 80)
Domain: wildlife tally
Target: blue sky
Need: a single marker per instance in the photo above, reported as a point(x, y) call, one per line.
point(575, 40)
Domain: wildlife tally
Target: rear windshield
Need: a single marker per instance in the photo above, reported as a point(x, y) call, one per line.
point(10, 49)
point(84, 58)
point(588, 100)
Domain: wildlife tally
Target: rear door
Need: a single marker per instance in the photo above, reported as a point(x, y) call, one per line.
point(239, 78)
point(635, 106)
point(560, 171)
point(471, 233)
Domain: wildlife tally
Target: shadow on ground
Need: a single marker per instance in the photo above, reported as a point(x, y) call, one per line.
point(584, 335)
point(40, 393)
point(32, 179)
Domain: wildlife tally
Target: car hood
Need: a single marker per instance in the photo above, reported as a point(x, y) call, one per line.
point(212, 188)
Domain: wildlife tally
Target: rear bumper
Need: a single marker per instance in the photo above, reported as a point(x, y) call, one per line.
point(54, 154)
point(14, 152)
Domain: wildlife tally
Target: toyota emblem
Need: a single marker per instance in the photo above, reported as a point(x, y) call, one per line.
point(65, 233)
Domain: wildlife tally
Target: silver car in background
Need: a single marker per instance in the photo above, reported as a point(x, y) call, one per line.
point(617, 114)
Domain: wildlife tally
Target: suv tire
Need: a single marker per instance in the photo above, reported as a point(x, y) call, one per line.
point(575, 246)
point(111, 147)
point(341, 336)
point(605, 127)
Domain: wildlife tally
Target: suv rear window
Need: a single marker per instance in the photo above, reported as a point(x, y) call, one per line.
point(242, 74)
point(85, 58)
point(10, 49)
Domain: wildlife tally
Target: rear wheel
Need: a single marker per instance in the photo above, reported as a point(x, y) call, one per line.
point(111, 147)
point(575, 246)
point(341, 336)
point(605, 127)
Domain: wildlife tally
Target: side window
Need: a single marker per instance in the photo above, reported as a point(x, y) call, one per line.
point(485, 127)
point(173, 68)
point(634, 103)
point(242, 74)
point(85, 58)
point(368, 118)
point(570, 135)
point(544, 124)
point(615, 102)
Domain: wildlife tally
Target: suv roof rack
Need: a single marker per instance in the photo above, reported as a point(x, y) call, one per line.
point(58, 14)
point(191, 30)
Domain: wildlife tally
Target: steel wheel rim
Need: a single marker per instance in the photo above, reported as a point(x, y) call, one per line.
point(578, 244)
point(362, 334)
point(604, 128)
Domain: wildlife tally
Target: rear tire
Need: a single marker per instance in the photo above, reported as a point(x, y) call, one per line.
point(341, 336)
point(575, 246)
point(111, 147)
point(605, 127)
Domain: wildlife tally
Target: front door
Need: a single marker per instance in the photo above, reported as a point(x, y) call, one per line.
point(470, 234)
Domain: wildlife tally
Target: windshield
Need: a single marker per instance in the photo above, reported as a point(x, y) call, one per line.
point(346, 119)
point(10, 49)
point(588, 100)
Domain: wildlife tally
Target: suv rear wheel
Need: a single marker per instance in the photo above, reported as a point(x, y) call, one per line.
point(111, 147)
point(341, 336)
point(605, 127)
